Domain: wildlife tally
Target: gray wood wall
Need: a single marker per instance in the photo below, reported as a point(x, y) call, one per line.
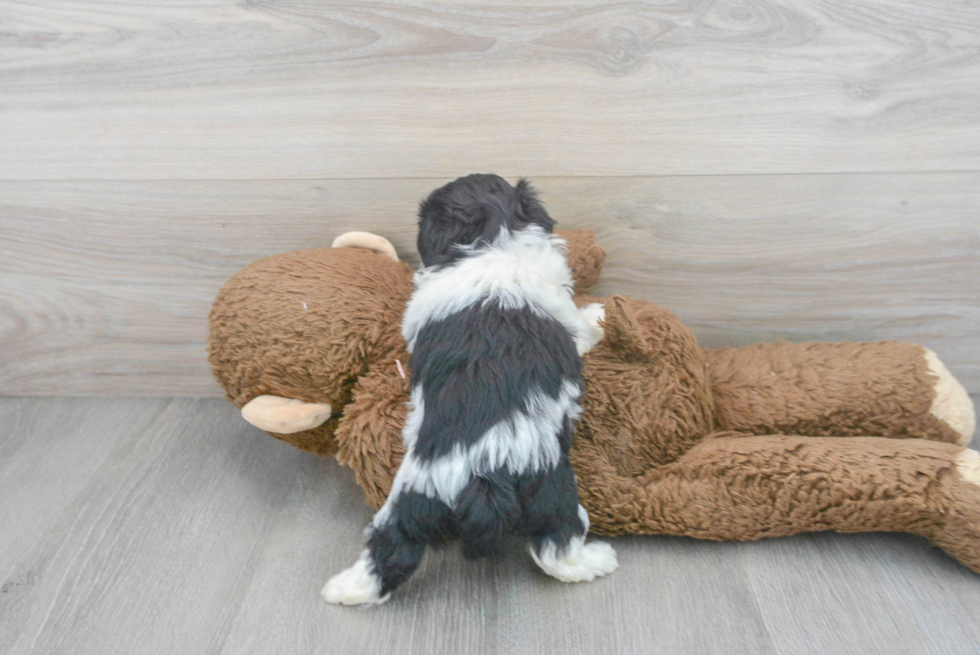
point(798, 169)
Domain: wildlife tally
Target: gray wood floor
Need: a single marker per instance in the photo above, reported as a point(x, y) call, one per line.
point(170, 526)
point(800, 169)
point(107, 285)
point(287, 89)
point(769, 168)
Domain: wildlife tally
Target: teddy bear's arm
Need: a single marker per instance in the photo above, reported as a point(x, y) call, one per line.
point(750, 487)
point(888, 389)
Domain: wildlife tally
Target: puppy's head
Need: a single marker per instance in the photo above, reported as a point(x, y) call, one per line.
point(472, 211)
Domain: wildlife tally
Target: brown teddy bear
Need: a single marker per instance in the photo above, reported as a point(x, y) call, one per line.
point(736, 443)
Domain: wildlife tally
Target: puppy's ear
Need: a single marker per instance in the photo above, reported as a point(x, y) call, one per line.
point(445, 224)
point(437, 231)
point(531, 209)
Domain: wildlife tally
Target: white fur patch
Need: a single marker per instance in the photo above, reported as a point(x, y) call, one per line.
point(583, 516)
point(413, 422)
point(592, 314)
point(521, 269)
point(952, 403)
point(968, 466)
point(581, 562)
point(358, 585)
point(521, 443)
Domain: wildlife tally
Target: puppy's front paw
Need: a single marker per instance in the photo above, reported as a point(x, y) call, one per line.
point(591, 314)
point(358, 585)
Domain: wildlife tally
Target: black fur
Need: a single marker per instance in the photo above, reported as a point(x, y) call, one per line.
point(397, 548)
point(479, 366)
point(487, 509)
point(541, 505)
point(476, 368)
point(470, 211)
point(549, 502)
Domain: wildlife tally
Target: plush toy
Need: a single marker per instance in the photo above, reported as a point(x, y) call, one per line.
point(735, 443)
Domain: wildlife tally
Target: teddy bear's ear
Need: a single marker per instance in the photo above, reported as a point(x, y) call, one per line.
point(623, 332)
point(368, 241)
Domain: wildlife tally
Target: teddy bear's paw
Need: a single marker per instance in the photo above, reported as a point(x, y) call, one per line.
point(952, 404)
point(580, 562)
point(592, 314)
point(959, 532)
point(968, 466)
point(358, 585)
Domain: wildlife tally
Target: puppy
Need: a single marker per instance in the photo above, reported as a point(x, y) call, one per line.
point(496, 345)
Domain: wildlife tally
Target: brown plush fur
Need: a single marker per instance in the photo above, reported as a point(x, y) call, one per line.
point(308, 325)
point(826, 389)
point(673, 439)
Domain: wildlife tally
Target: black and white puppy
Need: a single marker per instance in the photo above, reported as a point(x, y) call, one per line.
point(496, 345)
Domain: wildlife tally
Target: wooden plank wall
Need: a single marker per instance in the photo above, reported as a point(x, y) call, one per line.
point(808, 170)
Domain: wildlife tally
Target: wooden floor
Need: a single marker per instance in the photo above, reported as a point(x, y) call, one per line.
point(170, 526)
point(800, 169)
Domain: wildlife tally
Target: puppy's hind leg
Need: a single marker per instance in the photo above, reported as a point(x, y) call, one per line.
point(486, 510)
point(557, 525)
point(576, 561)
point(394, 550)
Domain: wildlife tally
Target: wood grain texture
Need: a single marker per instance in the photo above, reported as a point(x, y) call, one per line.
point(107, 285)
point(297, 89)
point(170, 526)
point(134, 524)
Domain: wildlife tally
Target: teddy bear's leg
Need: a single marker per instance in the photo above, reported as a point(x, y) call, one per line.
point(746, 487)
point(887, 389)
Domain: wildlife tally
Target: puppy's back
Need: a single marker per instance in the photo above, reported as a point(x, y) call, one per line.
point(487, 373)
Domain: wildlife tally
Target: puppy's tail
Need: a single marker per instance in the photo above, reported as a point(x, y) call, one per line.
point(486, 509)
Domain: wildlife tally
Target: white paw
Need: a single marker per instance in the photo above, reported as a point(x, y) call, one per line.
point(358, 585)
point(952, 403)
point(592, 334)
point(581, 562)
